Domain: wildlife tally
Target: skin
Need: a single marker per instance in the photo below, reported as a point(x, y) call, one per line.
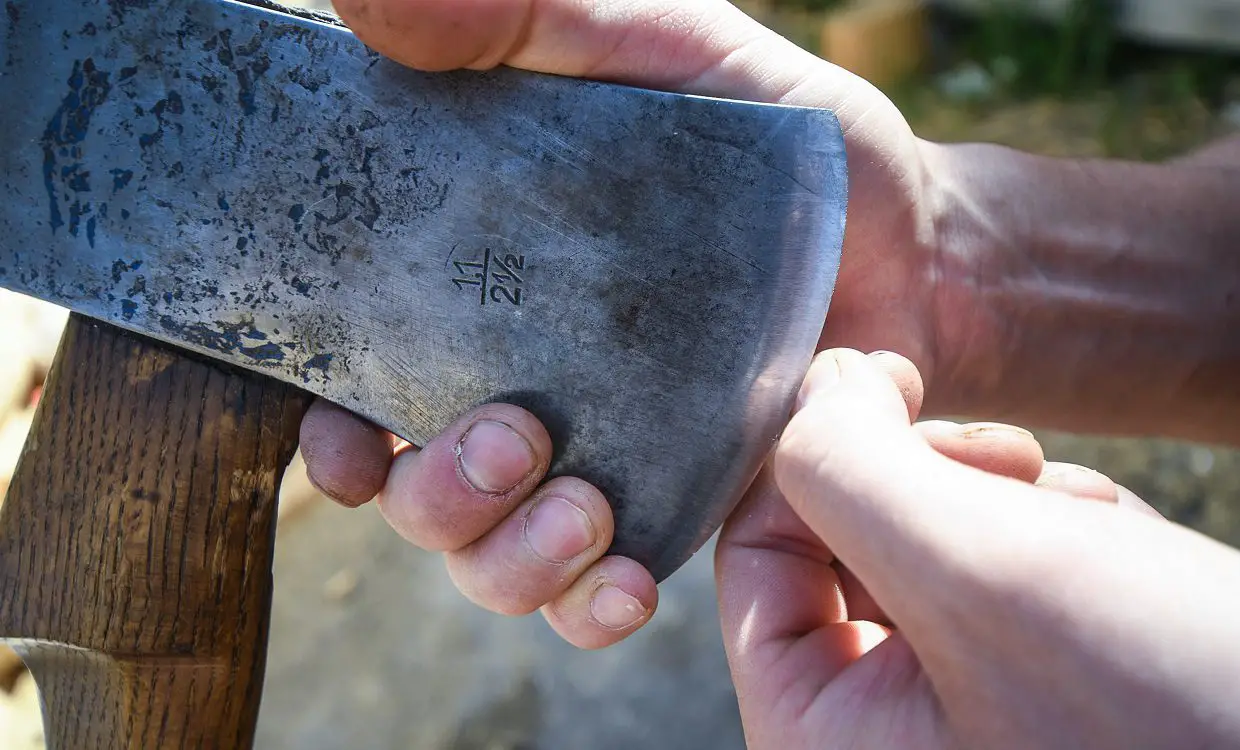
point(885, 581)
point(1009, 615)
point(1091, 296)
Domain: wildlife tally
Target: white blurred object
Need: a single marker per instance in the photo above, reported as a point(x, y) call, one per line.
point(21, 724)
point(12, 437)
point(966, 83)
point(30, 334)
point(296, 491)
point(319, 5)
point(1231, 114)
point(1201, 461)
point(39, 326)
point(1205, 24)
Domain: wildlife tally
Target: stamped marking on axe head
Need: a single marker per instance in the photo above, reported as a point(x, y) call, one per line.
point(646, 272)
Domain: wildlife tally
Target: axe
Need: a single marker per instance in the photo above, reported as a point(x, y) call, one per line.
point(245, 207)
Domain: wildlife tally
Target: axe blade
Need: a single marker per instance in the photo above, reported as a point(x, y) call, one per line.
point(647, 272)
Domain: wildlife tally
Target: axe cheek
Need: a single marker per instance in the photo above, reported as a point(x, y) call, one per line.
point(646, 273)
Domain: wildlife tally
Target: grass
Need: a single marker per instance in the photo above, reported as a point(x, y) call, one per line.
point(807, 5)
point(1033, 56)
point(1127, 100)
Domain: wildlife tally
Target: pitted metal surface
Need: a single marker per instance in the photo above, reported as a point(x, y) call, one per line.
point(647, 272)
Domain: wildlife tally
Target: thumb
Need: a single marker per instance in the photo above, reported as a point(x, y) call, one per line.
point(906, 520)
point(1005, 591)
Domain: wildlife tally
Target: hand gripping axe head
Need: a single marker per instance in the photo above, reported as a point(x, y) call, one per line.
point(647, 272)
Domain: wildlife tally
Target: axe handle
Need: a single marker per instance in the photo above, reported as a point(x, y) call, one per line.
point(136, 543)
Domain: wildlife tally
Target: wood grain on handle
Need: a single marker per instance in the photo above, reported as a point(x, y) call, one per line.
point(136, 543)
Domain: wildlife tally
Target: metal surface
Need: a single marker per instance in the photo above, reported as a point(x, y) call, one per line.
point(647, 272)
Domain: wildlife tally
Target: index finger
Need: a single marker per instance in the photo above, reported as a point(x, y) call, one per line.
point(695, 46)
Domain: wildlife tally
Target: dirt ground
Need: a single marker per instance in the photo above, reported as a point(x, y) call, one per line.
point(371, 647)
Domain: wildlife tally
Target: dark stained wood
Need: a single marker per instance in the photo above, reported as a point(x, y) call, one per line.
point(136, 543)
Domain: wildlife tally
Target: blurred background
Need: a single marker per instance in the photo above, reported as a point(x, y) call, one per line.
point(372, 648)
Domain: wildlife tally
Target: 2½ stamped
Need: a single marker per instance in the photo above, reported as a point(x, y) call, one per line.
point(496, 279)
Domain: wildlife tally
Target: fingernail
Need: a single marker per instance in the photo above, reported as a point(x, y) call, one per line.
point(615, 609)
point(1059, 471)
point(988, 429)
point(824, 373)
point(493, 457)
point(557, 531)
point(940, 427)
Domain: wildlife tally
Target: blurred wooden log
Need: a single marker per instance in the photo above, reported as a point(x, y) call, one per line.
point(883, 41)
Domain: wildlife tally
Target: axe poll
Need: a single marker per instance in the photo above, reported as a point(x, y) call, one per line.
point(245, 207)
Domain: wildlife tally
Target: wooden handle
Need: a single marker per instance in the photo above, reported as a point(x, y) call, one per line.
point(136, 543)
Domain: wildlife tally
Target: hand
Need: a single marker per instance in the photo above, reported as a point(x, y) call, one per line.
point(877, 592)
point(885, 294)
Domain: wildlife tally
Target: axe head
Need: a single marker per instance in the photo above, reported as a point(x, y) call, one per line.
point(647, 272)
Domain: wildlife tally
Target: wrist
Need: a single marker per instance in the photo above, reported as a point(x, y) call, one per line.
point(964, 252)
point(1085, 295)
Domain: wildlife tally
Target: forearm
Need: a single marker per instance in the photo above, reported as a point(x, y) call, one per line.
point(1093, 296)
